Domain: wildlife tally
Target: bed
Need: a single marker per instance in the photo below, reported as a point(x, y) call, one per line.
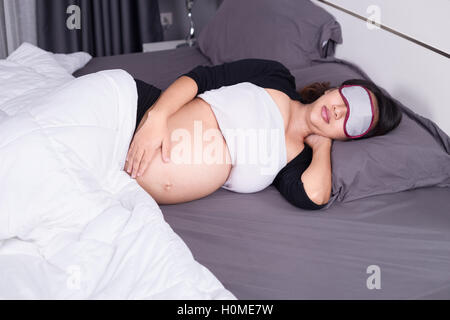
point(261, 247)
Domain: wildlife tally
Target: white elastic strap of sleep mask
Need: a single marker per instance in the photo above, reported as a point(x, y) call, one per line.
point(360, 111)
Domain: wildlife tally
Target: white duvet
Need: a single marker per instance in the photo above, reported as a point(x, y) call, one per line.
point(73, 224)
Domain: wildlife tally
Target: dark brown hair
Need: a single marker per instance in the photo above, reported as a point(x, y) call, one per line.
point(314, 91)
point(390, 114)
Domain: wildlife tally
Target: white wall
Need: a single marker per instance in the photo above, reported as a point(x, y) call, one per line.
point(414, 75)
point(426, 21)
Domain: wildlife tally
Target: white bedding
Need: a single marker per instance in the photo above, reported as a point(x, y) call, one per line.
point(73, 224)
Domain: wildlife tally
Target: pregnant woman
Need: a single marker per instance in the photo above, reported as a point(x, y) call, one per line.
point(202, 131)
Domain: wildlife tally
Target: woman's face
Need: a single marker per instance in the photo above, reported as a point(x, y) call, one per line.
point(337, 111)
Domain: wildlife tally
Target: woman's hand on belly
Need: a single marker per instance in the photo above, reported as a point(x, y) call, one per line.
point(152, 135)
point(200, 161)
point(175, 182)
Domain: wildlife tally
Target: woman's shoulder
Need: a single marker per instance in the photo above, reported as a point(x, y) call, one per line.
point(301, 159)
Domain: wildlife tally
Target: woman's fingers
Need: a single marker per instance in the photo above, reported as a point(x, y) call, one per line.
point(130, 157)
point(136, 162)
point(146, 142)
point(165, 149)
point(144, 164)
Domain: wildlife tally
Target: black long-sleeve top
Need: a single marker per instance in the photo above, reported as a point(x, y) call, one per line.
point(265, 74)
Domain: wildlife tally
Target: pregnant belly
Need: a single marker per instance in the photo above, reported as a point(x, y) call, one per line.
point(200, 161)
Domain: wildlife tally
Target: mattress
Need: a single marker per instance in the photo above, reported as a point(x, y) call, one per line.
point(392, 246)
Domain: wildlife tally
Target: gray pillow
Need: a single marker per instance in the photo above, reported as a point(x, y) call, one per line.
point(292, 32)
point(406, 158)
point(332, 70)
point(415, 154)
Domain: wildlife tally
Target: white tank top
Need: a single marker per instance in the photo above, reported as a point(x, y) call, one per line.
point(253, 128)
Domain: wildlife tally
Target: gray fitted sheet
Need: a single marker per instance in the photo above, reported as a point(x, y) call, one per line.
point(261, 247)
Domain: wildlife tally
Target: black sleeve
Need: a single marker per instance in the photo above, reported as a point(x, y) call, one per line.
point(288, 182)
point(261, 72)
point(147, 95)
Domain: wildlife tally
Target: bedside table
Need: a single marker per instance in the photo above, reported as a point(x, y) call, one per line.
point(162, 45)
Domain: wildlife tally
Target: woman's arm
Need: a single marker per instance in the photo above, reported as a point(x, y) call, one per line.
point(289, 180)
point(262, 72)
point(180, 92)
point(291, 187)
point(317, 178)
point(305, 181)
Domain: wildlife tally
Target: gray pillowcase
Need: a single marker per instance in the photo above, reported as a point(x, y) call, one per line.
point(415, 154)
point(406, 158)
point(293, 32)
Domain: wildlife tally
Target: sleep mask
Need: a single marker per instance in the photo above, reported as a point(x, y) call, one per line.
point(360, 110)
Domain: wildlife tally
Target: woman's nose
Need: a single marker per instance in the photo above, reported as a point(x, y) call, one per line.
point(339, 110)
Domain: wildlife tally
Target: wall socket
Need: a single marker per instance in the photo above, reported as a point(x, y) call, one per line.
point(166, 19)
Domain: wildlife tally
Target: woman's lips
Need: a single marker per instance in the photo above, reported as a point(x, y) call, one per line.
point(325, 114)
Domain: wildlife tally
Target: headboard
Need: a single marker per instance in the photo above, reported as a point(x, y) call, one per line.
point(403, 46)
